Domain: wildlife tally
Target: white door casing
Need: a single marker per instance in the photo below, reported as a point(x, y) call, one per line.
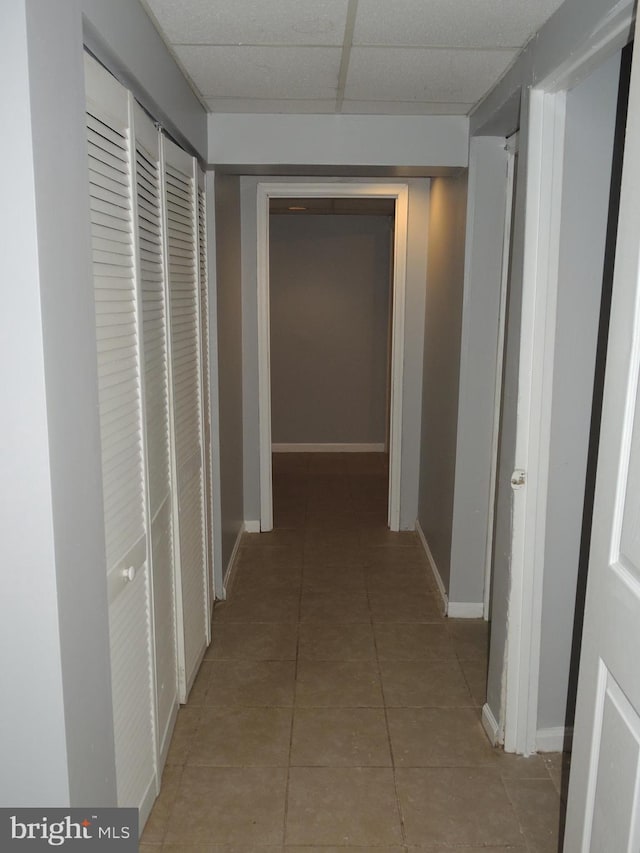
point(603, 812)
point(399, 192)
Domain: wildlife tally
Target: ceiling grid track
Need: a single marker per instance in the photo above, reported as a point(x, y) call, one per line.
point(349, 28)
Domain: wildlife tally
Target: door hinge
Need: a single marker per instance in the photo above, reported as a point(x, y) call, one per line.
point(518, 478)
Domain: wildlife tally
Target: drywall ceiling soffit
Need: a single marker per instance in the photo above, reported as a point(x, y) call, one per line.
point(406, 57)
point(304, 172)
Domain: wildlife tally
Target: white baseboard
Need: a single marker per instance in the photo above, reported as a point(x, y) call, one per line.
point(555, 739)
point(465, 609)
point(252, 527)
point(490, 725)
point(328, 448)
point(231, 565)
point(434, 568)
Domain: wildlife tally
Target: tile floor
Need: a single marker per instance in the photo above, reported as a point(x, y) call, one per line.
point(336, 709)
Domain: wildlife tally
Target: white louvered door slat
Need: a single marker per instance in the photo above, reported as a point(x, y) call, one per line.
point(156, 403)
point(180, 197)
point(206, 369)
point(118, 351)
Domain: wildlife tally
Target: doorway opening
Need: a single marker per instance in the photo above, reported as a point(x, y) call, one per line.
point(345, 196)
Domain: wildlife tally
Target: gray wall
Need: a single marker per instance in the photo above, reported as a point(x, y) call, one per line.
point(478, 360)
point(442, 340)
point(57, 746)
point(329, 291)
point(414, 337)
point(353, 141)
point(229, 308)
point(589, 136)
point(503, 110)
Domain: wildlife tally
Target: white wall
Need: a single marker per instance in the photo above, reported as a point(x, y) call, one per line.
point(338, 140)
point(57, 730)
point(414, 336)
point(589, 137)
point(441, 366)
point(329, 289)
point(478, 361)
point(229, 317)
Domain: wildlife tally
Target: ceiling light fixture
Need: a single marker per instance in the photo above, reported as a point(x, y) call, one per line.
point(296, 207)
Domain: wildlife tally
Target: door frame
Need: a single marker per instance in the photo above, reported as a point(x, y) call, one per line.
point(346, 189)
point(544, 157)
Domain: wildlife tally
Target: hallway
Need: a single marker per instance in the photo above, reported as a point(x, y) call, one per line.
point(336, 708)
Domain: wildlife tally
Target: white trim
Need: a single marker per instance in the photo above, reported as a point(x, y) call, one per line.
point(434, 568)
point(465, 609)
point(232, 565)
point(512, 149)
point(252, 526)
point(328, 448)
point(535, 385)
point(490, 725)
point(265, 191)
point(557, 739)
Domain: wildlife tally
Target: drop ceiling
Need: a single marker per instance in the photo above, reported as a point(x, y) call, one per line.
point(376, 57)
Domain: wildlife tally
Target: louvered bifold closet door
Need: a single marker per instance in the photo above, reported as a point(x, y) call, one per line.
point(180, 209)
point(206, 370)
point(151, 281)
point(121, 420)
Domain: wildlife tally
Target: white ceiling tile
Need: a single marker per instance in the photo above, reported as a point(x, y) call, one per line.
point(404, 108)
point(262, 72)
point(255, 105)
point(451, 23)
point(421, 74)
point(251, 21)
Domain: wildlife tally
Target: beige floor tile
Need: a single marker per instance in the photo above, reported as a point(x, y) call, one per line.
point(315, 849)
point(404, 606)
point(334, 579)
point(428, 684)
point(201, 684)
point(258, 608)
point(263, 641)
point(475, 673)
point(184, 733)
point(242, 737)
point(340, 737)
point(334, 641)
point(251, 683)
point(278, 537)
point(281, 556)
point(331, 555)
point(447, 848)
point(334, 606)
point(412, 641)
point(338, 684)
point(438, 737)
point(407, 580)
point(339, 538)
point(512, 766)
point(229, 805)
point(266, 580)
point(558, 765)
point(394, 558)
point(222, 848)
point(342, 806)
point(470, 638)
point(385, 538)
point(158, 821)
point(538, 807)
point(456, 806)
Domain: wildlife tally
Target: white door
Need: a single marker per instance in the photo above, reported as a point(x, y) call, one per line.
point(153, 309)
point(122, 437)
point(182, 262)
point(603, 811)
